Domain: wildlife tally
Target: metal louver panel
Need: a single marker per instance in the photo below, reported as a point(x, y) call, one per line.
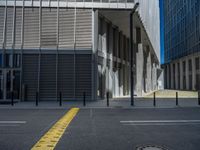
point(84, 28)
point(66, 75)
point(66, 28)
point(49, 28)
point(9, 27)
point(48, 77)
point(83, 75)
point(2, 11)
point(18, 27)
point(31, 28)
point(30, 75)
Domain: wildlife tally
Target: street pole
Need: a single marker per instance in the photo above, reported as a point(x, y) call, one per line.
point(131, 53)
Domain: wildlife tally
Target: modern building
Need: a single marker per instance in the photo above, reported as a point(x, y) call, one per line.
point(69, 46)
point(182, 44)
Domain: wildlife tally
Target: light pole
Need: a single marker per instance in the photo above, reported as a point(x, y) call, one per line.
point(131, 49)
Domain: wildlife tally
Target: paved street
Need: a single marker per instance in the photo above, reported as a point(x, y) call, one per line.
point(103, 128)
point(22, 135)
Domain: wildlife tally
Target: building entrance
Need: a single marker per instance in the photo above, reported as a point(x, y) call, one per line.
point(9, 82)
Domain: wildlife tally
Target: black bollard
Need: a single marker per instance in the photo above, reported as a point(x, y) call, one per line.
point(36, 99)
point(84, 99)
point(154, 99)
point(107, 96)
point(176, 98)
point(12, 98)
point(60, 102)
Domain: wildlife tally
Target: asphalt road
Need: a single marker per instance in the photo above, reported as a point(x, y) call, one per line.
point(104, 128)
point(20, 129)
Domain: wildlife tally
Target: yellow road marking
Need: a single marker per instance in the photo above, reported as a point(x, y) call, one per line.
point(51, 138)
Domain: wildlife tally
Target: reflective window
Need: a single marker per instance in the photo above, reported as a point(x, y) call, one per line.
point(8, 60)
point(1, 65)
point(16, 60)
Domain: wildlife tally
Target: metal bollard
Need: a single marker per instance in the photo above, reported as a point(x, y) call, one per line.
point(84, 99)
point(176, 98)
point(154, 99)
point(199, 97)
point(36, 99)
point(12, 98)
point(107, 96)
point(60, 101)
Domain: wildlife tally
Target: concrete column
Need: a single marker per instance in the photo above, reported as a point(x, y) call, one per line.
point(154, 80)
point(145, 73)
point(165, 77)
point(148, 79)
point(172, 76)
point(181, 74)
point(139, 67)
point(167, 74)
point(124, 79)
point(176, 75)
point(187, 74)
point(121, 83)
point(193, 74)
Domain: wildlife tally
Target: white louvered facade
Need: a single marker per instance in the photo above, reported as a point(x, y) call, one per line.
point(74, 46)
point(53, 29)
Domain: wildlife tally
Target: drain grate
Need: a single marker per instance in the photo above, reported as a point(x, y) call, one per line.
point(150, 147)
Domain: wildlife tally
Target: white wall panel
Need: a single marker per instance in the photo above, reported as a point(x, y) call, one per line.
point(150, 16)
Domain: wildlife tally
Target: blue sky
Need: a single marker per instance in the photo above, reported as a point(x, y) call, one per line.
point(161, 32)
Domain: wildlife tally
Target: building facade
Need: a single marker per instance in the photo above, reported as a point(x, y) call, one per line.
point(182, 44)
point(76, 47)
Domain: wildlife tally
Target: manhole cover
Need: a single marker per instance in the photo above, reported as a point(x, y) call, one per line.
point(150, 147)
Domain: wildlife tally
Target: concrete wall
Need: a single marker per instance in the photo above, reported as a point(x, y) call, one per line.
point(150, 17)
point(183, 80)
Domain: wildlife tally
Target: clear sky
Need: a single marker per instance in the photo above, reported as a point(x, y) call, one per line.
point(161, 32)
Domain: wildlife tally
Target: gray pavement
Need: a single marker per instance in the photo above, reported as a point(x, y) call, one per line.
point(20, 129)
point(104, 129)
point(116, 103)
point(99, 127)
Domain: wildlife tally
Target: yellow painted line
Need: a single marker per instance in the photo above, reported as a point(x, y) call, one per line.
point(51, 138)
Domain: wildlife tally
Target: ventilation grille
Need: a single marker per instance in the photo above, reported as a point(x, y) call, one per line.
point(31, 28)
point(49, 28)
point(2, 11)
point(84, 28)
point(30, 75)
point(48, 77)
point(66, 76)
point(66, 28)
point(52, 33)
point(83, 75)
point(9, 27)
point(18, 30)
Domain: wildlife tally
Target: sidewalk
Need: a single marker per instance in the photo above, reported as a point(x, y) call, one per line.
point(172, 94)
point(113, 103)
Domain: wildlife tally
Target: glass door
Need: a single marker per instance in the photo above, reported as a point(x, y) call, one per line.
point(9, 81)
point(8, 84)
point(16, 84)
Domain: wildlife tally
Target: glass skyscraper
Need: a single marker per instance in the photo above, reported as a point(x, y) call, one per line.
point(182, 44)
